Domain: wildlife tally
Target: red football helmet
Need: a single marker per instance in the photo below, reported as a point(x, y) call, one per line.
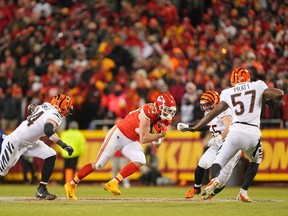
point(63, 103)
point(239, 75)
point(208, 100)
point(165, 106)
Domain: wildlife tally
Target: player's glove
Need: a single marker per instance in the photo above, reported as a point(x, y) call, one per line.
point(158, 142)
point(69, 149)
point(66, 147)
point(159, 127)
point(184, 127)
point(163, 130)
point(214, 141)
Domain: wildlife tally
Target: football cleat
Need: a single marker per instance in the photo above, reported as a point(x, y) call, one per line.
point(206, 196)
point(70, 190)
point(211, 186)
point(112, 186)
point(243, 197)
point(42, 193)
point(192, 192)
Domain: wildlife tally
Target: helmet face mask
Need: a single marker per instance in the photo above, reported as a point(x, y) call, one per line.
point(208, 100)
point(63, 104)
point(165, 106)
point(239, 75)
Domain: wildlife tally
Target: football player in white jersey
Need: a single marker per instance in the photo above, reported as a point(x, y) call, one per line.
point(219, 128)
point(25, 140)
point(244, 98)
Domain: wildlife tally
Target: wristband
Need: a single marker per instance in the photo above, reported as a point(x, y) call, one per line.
point(54, 138)
point(61, 143)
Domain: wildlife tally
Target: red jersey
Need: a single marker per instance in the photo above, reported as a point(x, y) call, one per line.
point(130, 124)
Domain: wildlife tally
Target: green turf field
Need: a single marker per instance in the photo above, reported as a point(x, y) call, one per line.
point(147, 201)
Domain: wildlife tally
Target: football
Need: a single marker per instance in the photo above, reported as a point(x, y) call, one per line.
point(156, 127)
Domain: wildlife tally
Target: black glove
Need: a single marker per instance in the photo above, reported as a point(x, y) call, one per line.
point(66, 147)
point(69, 149)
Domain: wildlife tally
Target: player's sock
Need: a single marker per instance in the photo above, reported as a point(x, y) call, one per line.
point(198, 175)
point(217, 190)
point(249, 175)
point(118, 178)
point(48, 167)
point(42, 184)
point(243, 191)
point(128, 170)
point(215, 170)
point(83, 172)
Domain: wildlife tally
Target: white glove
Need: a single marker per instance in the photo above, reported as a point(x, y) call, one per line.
point(182, 126)
point(158, 142)
point(214, 141)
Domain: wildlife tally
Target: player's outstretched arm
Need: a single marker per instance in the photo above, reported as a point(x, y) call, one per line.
point(49, 132)
point(188, 127)
point(222, 106)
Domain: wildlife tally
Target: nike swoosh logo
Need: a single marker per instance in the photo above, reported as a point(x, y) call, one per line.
point(39, 193)
point(70, 195)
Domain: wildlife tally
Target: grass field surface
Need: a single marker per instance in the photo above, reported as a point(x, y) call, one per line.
point(140, 200)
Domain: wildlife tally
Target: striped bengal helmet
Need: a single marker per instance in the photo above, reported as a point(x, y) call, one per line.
point(208, 100)
point(239, 75)
point(63, 103)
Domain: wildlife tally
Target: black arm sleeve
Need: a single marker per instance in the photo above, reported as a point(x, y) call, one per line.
point(204, 128)
point(61, 143)
point(49, 129)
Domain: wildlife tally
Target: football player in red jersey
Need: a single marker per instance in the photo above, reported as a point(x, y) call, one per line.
point(126, 136)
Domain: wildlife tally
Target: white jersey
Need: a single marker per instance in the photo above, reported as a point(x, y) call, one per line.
point(216, 126)
point(30, 130)
point(25, 139)
point(245, 101)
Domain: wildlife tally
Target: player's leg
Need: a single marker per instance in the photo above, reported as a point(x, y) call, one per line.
point(10, 154)
point(204, 163)
point(106, 152)
point(43, 151)
point(223, 177)
point(255, 156)
point(122, 163)
point(229, 148)
point(134, 152)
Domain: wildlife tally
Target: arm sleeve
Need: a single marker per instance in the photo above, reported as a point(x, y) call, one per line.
point(49, 129)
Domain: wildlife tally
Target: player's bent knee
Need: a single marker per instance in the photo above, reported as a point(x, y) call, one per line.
point(51, 153)
point(141, 160)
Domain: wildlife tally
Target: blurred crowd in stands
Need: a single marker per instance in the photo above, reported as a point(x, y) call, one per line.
point(111, 56)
